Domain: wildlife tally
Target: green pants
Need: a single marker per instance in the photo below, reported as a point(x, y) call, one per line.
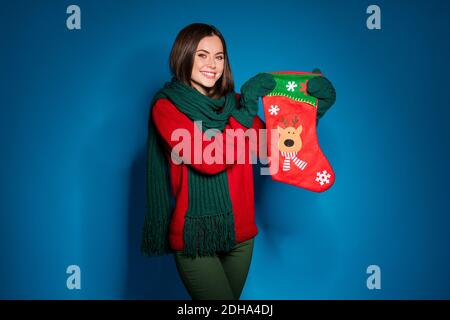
point(219, 277)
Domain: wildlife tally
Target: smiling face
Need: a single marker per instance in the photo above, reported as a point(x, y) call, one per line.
point(208, 64)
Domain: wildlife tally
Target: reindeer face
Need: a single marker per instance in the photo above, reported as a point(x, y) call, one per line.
point(290, 140)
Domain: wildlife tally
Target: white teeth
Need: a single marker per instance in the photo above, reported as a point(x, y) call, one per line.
point(209, 74)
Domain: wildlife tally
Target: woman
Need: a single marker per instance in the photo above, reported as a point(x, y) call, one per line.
point(211, 228)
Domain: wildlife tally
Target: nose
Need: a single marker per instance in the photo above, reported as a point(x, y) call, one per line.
point(288, 142)
point(212, 62)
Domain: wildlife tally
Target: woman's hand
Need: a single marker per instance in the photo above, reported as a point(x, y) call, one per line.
point(257, 86)
point(322, 89)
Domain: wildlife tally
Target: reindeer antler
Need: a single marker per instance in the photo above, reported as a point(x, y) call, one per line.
point(285, 121)
point(294, 121)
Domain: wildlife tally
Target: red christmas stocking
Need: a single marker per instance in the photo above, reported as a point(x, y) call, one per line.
point(291, 117)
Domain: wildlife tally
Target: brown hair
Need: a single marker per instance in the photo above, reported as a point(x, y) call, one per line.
point(182, 56)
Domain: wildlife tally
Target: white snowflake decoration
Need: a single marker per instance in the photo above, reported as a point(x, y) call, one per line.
point(291, 86)
point(273, 110)
point(323, 177)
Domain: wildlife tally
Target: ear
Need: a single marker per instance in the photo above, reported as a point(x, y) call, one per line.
point(280, 129)
point(299, 129)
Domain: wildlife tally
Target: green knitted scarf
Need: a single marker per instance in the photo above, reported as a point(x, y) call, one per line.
point(209, 220)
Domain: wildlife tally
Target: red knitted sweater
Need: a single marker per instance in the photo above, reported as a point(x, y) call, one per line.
point(167, 118)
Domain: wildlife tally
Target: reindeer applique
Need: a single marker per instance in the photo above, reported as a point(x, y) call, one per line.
point(290, 143)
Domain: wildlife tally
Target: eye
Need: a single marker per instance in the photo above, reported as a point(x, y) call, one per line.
point(220, 58)
point(202, 55)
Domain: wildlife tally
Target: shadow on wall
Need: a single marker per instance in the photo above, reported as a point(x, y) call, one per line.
point(147, 277)
point(278, 222)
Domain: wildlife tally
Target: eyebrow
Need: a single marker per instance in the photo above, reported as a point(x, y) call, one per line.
point(208, 51)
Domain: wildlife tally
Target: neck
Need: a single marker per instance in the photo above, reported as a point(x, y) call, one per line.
point(201, 88)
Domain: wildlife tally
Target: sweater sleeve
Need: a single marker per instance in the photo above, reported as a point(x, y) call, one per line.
point(257, 124)
point(168, 118)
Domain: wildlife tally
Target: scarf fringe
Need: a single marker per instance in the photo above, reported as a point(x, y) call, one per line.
point(208, 235)
point(154, 237)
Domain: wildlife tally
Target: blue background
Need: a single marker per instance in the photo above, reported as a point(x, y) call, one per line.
point(74, 109)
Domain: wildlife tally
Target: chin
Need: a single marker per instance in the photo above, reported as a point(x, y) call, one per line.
point(207, 84)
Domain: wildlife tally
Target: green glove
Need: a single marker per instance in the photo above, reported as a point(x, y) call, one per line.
point(255, 87)
point(323, 90)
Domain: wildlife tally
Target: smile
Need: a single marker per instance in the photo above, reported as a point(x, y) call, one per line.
point(209, 75)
